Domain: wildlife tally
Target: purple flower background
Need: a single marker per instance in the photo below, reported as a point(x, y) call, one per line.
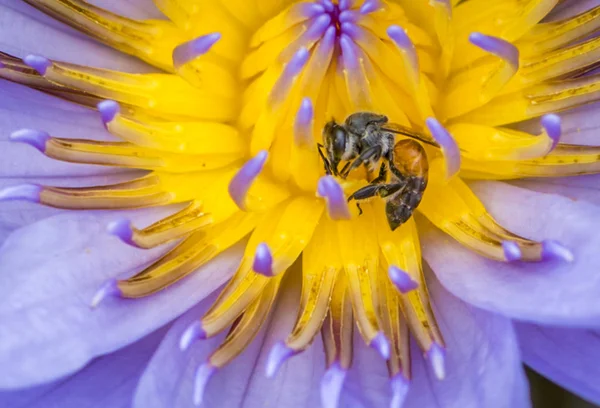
point(493, 315)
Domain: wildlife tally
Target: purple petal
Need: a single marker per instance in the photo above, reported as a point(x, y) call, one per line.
point(481, 358)
point(25, 26)
point(551, 292)
point(49, 272)
point(108, 381)
point(569, 357)
point(168, 380)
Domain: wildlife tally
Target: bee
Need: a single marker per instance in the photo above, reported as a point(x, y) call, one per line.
point(367, 139)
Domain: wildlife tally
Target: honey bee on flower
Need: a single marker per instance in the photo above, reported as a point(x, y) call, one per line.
point(271, 174)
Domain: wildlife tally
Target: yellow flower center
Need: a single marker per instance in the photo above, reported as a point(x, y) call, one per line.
point(232, 126)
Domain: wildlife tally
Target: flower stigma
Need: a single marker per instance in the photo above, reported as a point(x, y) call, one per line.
point(233, 130)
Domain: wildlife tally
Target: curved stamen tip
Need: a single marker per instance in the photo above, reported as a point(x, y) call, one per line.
point(512, 251)
point(203, 375)
point(497, 46)
point(381, 344)
point(448, 145)
point(552, 124)
point(399, 385)
point(328, 4)
point(403, 41)
point(123, 230)
point(241, 182)
point(35, 138)
point(108, 110)
point(370, 6)
point(337, 206)
point(331, 386)
point(303, 123)
point(193, 332)
point(555, 250)
point(279, 354)
point(37, 62)
point(110, 288)
point(402, 280)
point(437, 356)
point(188, 51)
point(26, 192)
point(263, 260)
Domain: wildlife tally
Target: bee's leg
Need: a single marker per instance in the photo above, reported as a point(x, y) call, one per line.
point(374, 151)
point(383, 171)
point(372, 190)
point(360, 211)
point(326, 163)
point(345, 168)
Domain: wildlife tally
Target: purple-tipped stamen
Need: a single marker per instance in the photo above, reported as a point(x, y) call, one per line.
point(402, 280)
point(399, 385)
point(203, 375)
point(278, 355)
point(555, 250)
point(406, 46)
point(437, 356)
point(35, 138)
point(382, 345)
point(37, 62)
point(328, 5)
point(331, 385)
point(345, 4)
point(193, 333)
point(108, 110)
point(512, 251)
point(351, 29)
point(263, 260)
point(303, 125)
point(552, 124)
point(349, 56)
point(448, 145)
point(370, 6)
point(349, 16)
point(290, 72)
point(311, 10)
point(241, 182)
point(497, 46)
point(26, 192)
point(123, 230)
point(332, 192)
point(108, 289)
point(193, 49)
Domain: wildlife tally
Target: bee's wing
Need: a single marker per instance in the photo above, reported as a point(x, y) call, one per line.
point(403, 130)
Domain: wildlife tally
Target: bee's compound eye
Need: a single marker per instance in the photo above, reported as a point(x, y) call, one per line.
point(339, 141)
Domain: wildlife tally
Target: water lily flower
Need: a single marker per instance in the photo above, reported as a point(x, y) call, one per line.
point(176, 240)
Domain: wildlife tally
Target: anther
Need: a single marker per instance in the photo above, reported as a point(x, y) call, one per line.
point(349, 56)
point(402, 280)
point(370, 6)
point(263, 260)
point(331, 385)
point(436, 356)
point(312, 10)
point(278, 355)
point(110, 288)
point(399, 385)
point(241, 182)
point(188, 51)
point(348, 16)
point(497, 46)
point(123, 230)
point(328, 5)
point(201, 378)
point(381, 344)
point(406, 46)
point(552, 124)
point(26, 192)
point(35, 138)
point(193, 332)
point(344, 4)
point(303, 124)
point(290, 72)
point(37, 62)
point(512, 251)
point(108, 110)
point(332, 192)
point(448, 145)
point(555, 250)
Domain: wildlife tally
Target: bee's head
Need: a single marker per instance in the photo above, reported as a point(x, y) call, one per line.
point(336, 141)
